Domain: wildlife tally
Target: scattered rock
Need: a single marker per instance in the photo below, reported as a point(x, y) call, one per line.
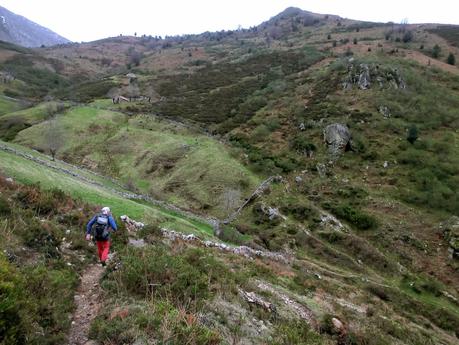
point(337, 325)
point(253, 298)
point(272, 213)
point(330, 222)
point(364, 82)
point(321, 170)
point(240, 250)
point(450, 231)
point(384, 111)
point(302, 311)
point(137, 243)
point(362, 75)
point(131, 224)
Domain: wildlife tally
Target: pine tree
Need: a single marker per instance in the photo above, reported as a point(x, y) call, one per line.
point(436, 51)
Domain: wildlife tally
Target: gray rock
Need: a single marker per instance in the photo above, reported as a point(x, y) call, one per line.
point(137, 243)
point(361, 75)
point(384, 111)
point(321, 170)
point(337, 325)
point(364, 82)
point(450, 231)
point(337, 137)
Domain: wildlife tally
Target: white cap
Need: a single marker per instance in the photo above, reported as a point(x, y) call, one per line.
point(106, 210)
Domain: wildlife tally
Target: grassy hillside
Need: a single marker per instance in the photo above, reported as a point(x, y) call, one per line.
point(102, 193)
point(151, 155)
point(213, 115)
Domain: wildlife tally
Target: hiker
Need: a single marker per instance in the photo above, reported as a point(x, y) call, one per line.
point(103, 224)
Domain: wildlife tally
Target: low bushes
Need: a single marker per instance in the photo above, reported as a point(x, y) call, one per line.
point(192, 275)
point(34, 304)
point(356, 217)
point(159, 320)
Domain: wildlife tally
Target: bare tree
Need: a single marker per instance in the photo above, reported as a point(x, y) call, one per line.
point(53, 136)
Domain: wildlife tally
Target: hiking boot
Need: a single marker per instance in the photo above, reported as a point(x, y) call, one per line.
point(103, 263)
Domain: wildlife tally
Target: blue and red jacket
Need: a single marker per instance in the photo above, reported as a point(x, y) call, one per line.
point(111, 222)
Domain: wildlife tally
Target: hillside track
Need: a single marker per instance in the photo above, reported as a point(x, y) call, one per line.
point(87, 300)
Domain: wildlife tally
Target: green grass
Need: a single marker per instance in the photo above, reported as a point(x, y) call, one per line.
point(157, 157)
point(14, 122)
point(29, 172)
point(8, 105)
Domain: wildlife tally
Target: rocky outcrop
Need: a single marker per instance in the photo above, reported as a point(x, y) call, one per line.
point(450, 232)
point(365, 76)
point(338, 138)
point(239, 250)
point(261, 189)
point(253, 298)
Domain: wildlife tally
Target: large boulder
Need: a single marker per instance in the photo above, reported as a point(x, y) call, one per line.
point(450, 231)
point(337, 137)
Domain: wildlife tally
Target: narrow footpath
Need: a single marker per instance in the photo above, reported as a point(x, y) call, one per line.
point(88, 305)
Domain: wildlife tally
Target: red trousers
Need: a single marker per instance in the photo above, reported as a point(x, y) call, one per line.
point(103, 248)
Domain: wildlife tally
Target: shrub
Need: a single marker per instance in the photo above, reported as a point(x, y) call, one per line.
point(436, 51)
point(451, 59)
point(295, 332)
point(412, 135)
point(5, 208)
point(301, 144)
point(299, 210)
point(192, 275)
point(35, 298)
point(354, 216)
point(11, 294)
point(42, 237)
point(43, 202)
point(407, 36)
point(155, 321)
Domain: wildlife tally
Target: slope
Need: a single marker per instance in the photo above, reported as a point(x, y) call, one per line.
point(154, 156)
point(94, 190)
point(19, 30)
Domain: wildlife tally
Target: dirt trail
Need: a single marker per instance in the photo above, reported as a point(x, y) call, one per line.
point(88, 305)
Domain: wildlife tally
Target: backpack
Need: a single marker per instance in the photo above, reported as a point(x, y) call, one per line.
point(101, 232)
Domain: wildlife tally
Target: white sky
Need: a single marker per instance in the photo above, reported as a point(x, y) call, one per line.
point(87, 20)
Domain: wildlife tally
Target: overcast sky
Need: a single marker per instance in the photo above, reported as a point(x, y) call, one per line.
point(87, 20)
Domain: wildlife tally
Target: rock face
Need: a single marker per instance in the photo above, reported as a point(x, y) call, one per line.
point(337, 137)
point(450, 231)
point(365, 76)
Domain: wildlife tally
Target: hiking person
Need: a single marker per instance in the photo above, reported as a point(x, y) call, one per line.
point(103, 224)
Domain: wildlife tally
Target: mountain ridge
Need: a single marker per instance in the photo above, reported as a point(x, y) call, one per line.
point(22, 31)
